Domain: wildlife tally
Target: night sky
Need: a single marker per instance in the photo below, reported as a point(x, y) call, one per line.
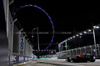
point(66, 17)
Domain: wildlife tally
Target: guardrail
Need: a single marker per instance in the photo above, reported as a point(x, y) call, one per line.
point(81, 50)
point(16, 58)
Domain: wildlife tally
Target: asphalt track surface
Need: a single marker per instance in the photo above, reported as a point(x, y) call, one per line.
point(59, 62)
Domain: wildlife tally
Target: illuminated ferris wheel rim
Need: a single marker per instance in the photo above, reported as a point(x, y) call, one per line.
point(41, 10)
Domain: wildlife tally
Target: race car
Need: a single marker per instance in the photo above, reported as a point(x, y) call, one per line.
point(82, 58)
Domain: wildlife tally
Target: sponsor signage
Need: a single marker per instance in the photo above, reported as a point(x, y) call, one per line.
point(15, 58)
point(21, 43)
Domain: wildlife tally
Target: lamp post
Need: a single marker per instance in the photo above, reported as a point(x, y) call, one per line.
point(37, 36)
point(66, 45)
point(59, 47)
point(94, 39)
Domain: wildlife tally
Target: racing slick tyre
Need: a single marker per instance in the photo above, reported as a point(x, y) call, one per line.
point(68, 59)
point(92, 59)
point(75, 60)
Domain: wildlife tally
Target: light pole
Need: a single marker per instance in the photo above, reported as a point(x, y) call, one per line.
point(66, 45)
point(95, 38)
point(59, 47)
point(37, 36)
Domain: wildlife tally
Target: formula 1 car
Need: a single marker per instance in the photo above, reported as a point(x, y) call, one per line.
point(82, 58)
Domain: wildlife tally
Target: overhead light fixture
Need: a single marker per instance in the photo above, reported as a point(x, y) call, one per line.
point(85, 32)
point(94, 27)
point(80, 33)
point(70, 37)
point(32, 36)
point(77, 35)
point(89, 30)
point(73, 36)
point(97, 27)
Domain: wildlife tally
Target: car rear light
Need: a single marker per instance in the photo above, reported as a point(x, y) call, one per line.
point(81, 55)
